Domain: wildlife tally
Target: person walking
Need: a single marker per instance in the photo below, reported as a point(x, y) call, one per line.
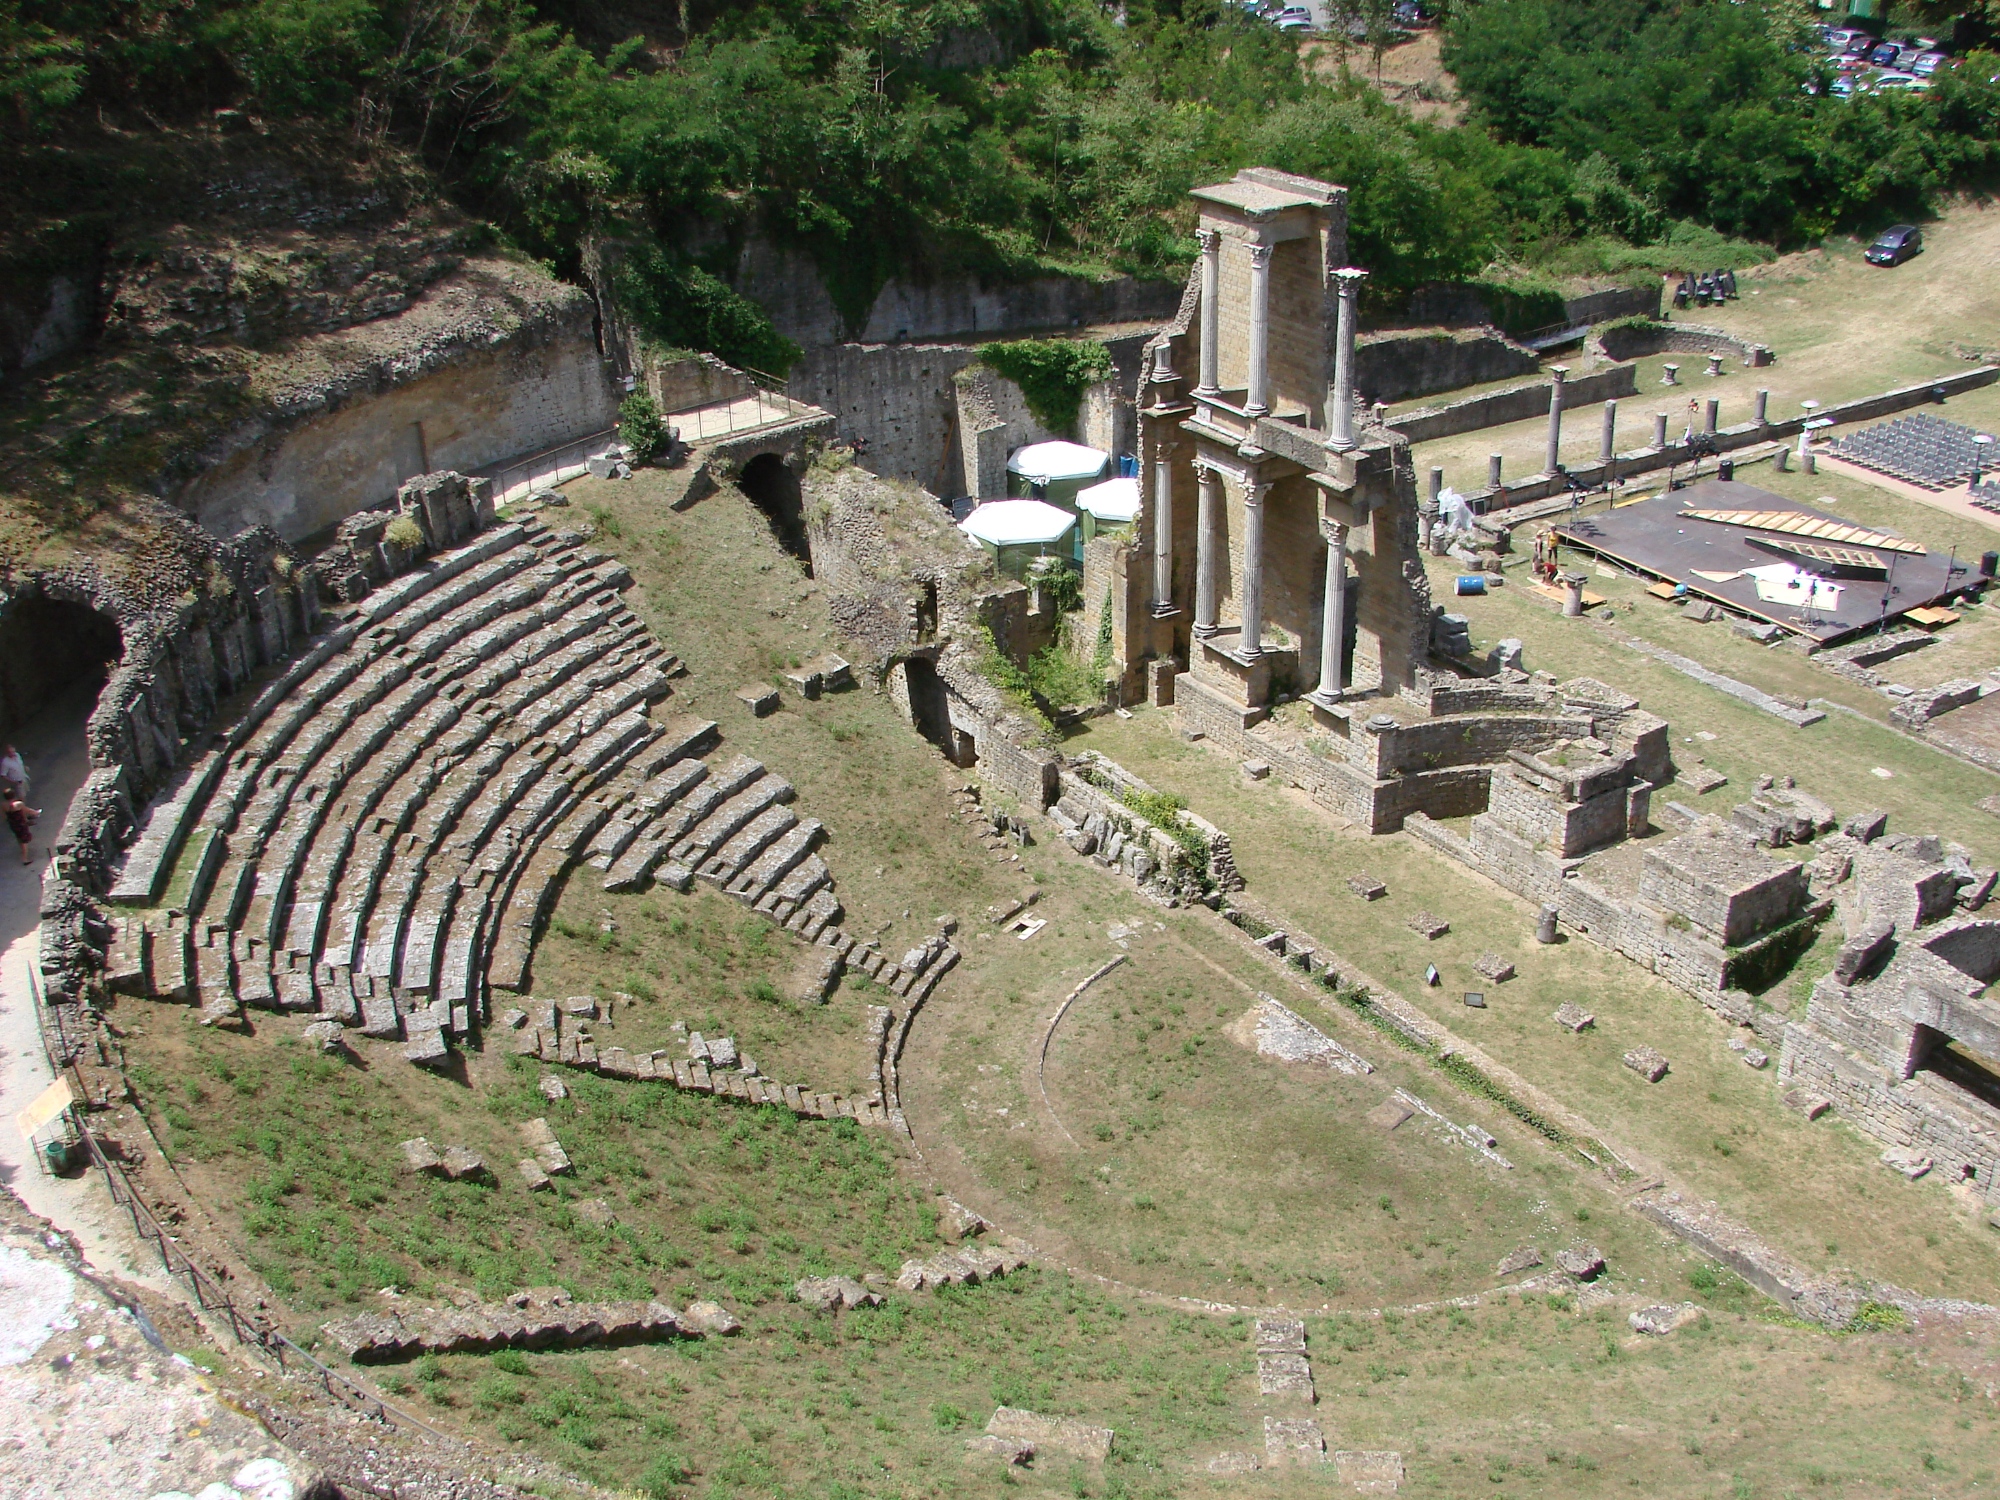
point(14, 770)
point(21, 820)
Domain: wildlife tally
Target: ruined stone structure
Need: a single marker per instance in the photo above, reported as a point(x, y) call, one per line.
point(1903, 1037)
point(1262, 489)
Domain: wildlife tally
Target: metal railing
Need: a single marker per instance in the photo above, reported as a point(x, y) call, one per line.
point(754, 409)
point(247, 1328)
point(551, 467)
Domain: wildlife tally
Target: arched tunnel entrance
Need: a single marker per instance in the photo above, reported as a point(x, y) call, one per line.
point(772, 485)
point(53, 653)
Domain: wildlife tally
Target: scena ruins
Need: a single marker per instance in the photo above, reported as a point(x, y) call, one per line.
point(905, 749)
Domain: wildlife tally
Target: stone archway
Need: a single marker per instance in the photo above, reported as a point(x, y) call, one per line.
point(772, 484)
point(51, 649)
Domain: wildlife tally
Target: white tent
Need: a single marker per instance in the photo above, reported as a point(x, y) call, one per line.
point(1115, 502)
point(1017, 532)
point(1055, 461)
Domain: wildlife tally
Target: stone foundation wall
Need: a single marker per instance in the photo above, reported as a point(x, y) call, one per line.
point(1516, 405)
point(1566, 829)
point(1962, 1138)
point(898, 400)
point(1416, 361)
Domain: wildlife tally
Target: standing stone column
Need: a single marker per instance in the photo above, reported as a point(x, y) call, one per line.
point(1558, 374)
point(1333, 626)
point(1258, 401)
point(1759, 407)
point(1163, 530)
point(1609, 447)
point(1659, 429)
point(1340, 420)
point(1493, 471)
point(1207, 548)
point(1714, 412)
point(1252, 644)
point(1211, 310)
point(1572, 594)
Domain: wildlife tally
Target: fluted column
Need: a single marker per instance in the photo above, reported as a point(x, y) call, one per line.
point(1332, 631)
point(1163, 530)
point(1258, 403)
point(1558, 374)
point(1208, 548)
point(1252, 643)
point(1211, 311)
point(1340, 420)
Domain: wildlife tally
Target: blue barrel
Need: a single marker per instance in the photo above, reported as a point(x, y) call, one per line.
point(1471, 583)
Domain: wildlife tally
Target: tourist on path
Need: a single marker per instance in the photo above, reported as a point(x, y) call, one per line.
point(14, 770)
point(21, 819)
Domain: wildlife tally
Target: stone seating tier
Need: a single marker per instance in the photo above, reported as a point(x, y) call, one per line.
point(380, 837)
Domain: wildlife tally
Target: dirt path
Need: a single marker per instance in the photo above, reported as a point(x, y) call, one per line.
point(53, 746)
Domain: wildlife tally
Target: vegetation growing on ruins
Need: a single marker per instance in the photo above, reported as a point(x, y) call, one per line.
point(1053, 374)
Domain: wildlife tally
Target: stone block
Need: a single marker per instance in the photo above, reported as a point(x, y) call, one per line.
point(325, 1035)
point(1699, 779)
point(711, 1318)
point(1279, 1336)
point(759, 697)
point(427, 1049)
point(1494, 968)
point(1754, 1057)
point(1052, 1434)
point(1367, 887)
point(1664, 1318)
point(1293, 1442)
point(1008, 1450)
point(1807, 1103)
point(1647, 1062)
point(532, 1175)
point(1701, 612)
point(459, 1163)
point(1524, 1259)
point(1428, 926)
point(1862, 953)
point(1281, 1374)
point(1866, 826)
point(1256, 770)
point(1760, 631)
point(1911, 1164)
point(419, 1155)
point(1584, 1262)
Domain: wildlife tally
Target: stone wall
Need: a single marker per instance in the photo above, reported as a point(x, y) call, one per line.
point(510, 369)
point(1634, 341)
point(789, 286)
point(898, 400)
point(1498, 408)
point(1409, 362)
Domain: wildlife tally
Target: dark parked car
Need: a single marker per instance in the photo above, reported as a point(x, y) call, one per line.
point(1885, 55)
point(1895, 245)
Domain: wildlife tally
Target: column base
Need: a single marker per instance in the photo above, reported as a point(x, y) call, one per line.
point(1320, 698)
point(1203, 632)
point(1164, 610)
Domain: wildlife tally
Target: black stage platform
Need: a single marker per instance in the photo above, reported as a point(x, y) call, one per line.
point(1840, 580)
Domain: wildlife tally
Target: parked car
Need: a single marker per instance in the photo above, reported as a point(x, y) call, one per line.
point(1293, 18)
point(1859, 45)
point(1885, 55)
point(1409, 15)
point(1894, 245)
point(1838, 37)
point(1842, 87)
point(1926, 63)
point(1892, 82)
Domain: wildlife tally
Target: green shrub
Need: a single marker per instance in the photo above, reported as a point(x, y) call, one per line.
point(405, 533)
point(1053, 374)
point(640, 428)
